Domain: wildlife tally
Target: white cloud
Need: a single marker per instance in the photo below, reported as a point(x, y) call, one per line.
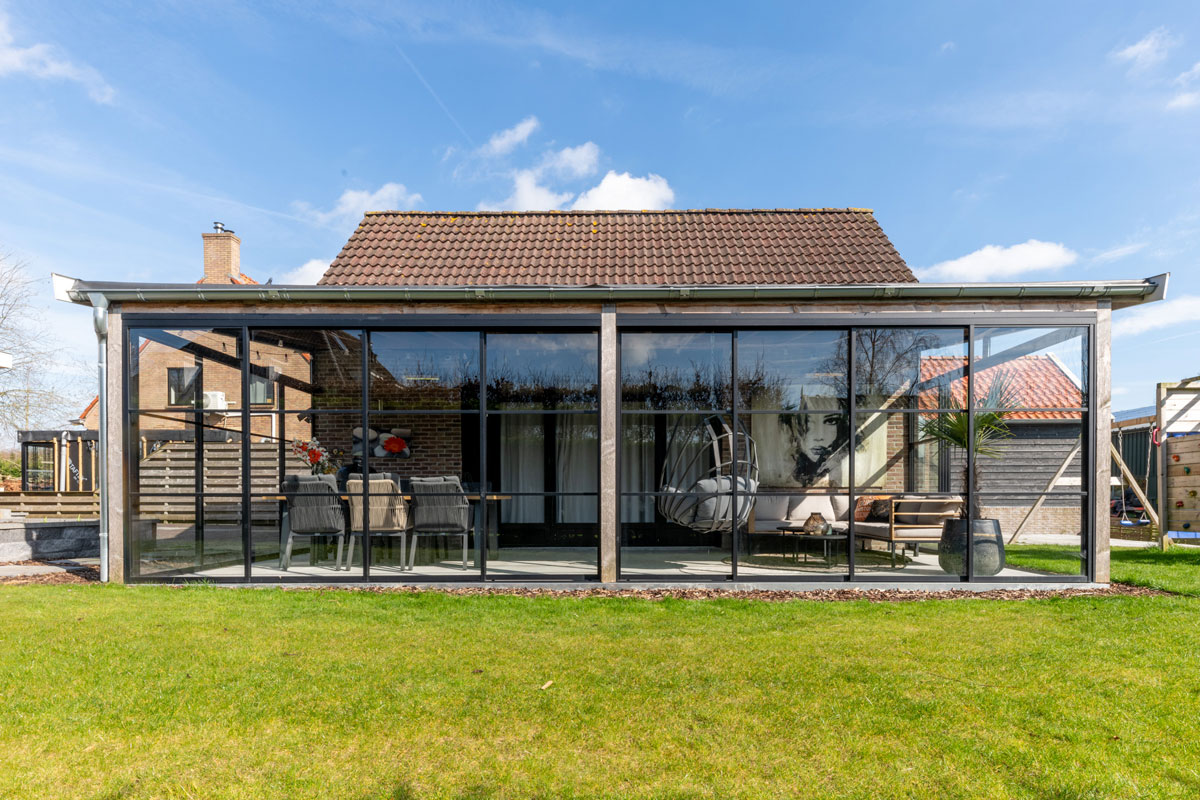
point(1153, 316)
point(1183, 100)
point(308, 272)
point(1118, 252)
point(575, 161)
point(353, 203)
point(623, 191)
point(47, 62)
point(1189, 77)
point(994, 262)
point(528, 195)
point(1152, 49)
point(505, 141)
point(948, 47)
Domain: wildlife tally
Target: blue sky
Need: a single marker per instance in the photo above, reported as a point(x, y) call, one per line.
point(1028, 141)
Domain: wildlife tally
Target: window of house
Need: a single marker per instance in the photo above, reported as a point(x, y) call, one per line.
point(262, 389)
point(181, 385)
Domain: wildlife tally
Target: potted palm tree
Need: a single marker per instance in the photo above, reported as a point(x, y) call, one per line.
point(953, 429)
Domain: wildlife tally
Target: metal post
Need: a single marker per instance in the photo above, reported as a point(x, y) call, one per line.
point(100, 323)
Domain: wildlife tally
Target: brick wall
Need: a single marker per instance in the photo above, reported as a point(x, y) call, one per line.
point(1048, 519)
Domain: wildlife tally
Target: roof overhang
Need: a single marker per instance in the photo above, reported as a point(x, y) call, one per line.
point(1119, 293)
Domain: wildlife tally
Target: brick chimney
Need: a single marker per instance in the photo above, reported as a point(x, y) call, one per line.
point(222, 255)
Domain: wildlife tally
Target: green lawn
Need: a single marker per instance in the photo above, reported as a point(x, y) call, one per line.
point(114, 692)
point(1176, 570)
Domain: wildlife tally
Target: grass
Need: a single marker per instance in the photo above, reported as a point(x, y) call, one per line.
point(1176, 570)
point(157, 692)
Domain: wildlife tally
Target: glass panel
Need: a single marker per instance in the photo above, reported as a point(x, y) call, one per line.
point(908, 452)
point(1052, 524)
point(1031, 367)
point(315, 518)
point(425, 489)
point(533, 529)
point(802, 449)
point(185, 368)
point(181, 534)
point(166, 457)
point(311, 368)
point(904, 367)
point(666, 370)
point(901, 533)
point(543, 370)
point(39, 468)
point(685, 541)
point(425, 369)
point(789, 370)
point(1027, 456)
point(796, 532)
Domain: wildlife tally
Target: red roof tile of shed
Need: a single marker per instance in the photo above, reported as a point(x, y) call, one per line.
point(616, 248)
point(1036, 382)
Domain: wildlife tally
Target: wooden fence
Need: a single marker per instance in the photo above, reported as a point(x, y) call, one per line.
point(47, 506)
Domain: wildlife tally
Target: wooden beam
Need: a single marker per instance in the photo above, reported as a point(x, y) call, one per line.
point(1133, 484)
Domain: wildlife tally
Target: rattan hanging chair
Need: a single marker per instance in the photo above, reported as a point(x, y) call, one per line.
point(698, 477)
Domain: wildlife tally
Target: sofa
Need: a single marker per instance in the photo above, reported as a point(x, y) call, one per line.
point(773, 510)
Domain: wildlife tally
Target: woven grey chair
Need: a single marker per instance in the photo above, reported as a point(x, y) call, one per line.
point(440, 508)
point(314, 508)
point(388, 513)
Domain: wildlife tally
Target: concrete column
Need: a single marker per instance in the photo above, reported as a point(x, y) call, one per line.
point(1102, 420)
point(610, 402)
point(116, 450)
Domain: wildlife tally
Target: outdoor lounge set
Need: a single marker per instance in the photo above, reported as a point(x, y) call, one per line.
point(432, 507)
point(902, 520)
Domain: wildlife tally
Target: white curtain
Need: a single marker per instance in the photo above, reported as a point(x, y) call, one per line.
point(578, 466)
point(637, 469)
point(522, 467)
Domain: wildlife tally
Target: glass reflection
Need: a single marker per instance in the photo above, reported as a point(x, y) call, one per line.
point(676, 370)
point(904, 367)
point(424, 370)
point(786, 370)
point(542, 370)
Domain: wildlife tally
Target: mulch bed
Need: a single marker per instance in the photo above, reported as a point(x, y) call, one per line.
point(769, 595)
point(85, 574)
point(75, 573)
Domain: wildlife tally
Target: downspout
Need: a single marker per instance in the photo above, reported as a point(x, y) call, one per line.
point(100, 322)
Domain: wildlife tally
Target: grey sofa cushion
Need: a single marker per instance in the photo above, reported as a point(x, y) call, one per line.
point(872, 530)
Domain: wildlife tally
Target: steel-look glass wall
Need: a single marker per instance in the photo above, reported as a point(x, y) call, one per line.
point(272, 452)
point(851, 453)
point(290, 453)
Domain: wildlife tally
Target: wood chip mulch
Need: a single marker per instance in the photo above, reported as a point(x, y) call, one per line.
point(75, 573)
point(768, 595)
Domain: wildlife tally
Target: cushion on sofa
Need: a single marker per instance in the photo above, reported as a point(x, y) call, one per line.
point(862, 506)
point(841, 506)
point(805, 505)
point(872, 530)
point(936, 510)
point(773, 507)
point(881, 510)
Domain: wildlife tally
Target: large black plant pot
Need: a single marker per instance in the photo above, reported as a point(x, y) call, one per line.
point(989, 546)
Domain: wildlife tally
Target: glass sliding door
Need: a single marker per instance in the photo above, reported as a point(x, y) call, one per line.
point(543, 454)
point(683, 461)
point(184, 435)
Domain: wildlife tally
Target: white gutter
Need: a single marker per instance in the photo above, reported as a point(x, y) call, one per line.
point(1121, 293)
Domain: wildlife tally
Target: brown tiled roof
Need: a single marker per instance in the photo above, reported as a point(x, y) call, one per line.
point(1036, 382)
point(616, 248)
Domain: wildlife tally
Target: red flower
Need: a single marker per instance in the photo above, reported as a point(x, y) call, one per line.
point(395, 445)
point(314, 456)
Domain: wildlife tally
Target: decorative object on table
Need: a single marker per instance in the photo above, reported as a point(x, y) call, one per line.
point(393, 443)
point(988, 544)
point(320, 460)
point(816, 524)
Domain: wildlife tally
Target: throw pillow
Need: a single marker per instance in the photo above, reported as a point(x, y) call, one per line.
point(862, 507)
point(881, 510)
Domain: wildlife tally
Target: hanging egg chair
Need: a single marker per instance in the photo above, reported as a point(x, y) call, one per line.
point(698, 477)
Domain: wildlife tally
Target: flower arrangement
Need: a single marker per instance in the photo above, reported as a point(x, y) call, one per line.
point(320, 460)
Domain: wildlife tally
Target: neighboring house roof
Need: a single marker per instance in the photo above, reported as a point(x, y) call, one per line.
point(1134, 413)
point(618, 248)
point(1036, 382)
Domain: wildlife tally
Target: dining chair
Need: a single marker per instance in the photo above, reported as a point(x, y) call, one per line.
point(440, 508)
point(387, 511)
point(314, 508)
